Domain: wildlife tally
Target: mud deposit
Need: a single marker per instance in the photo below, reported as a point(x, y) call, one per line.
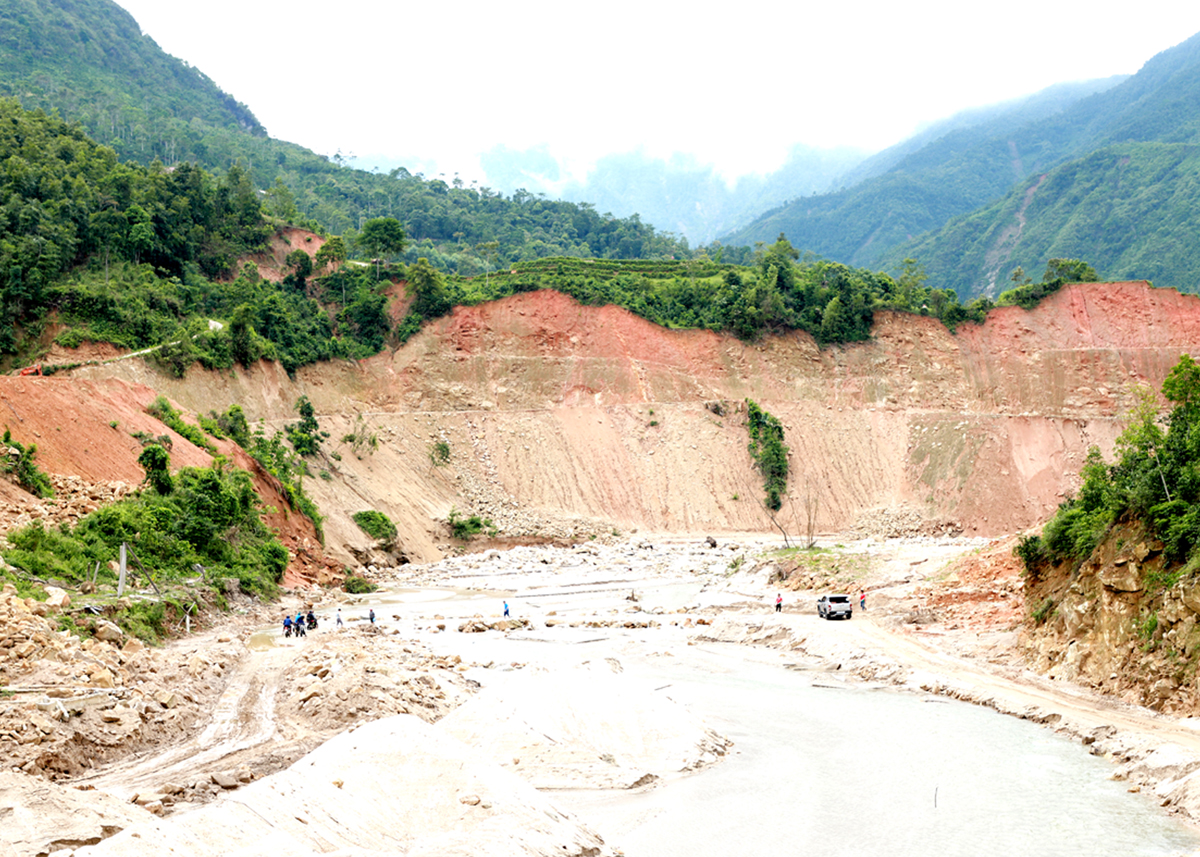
point(641, 698)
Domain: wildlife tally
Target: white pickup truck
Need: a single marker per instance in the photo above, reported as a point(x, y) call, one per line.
point(835, 607)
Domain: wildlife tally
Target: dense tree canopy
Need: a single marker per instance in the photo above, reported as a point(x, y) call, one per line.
point(145, 256)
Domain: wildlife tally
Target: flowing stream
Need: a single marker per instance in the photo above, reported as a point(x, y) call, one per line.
point(845, 770)
point(825, 767)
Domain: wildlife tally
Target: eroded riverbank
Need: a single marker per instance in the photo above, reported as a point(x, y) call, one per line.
point(625, 670)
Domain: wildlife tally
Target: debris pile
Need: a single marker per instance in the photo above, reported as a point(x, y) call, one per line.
point(69, 704)
point(74, 498)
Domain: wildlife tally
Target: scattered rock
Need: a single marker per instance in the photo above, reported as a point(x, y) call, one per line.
point(225, 780)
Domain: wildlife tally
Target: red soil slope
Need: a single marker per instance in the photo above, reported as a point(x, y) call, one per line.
point(560, 409)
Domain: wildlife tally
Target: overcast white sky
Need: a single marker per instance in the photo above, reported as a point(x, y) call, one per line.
point(736, 85)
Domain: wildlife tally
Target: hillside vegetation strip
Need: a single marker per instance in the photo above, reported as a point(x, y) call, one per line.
point(769, 453)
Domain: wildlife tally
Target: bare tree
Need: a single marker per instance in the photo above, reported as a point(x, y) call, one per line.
point(773, 516)
point(811, 503)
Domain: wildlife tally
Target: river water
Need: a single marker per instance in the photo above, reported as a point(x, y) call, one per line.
point(818, 766)
point(842, 770)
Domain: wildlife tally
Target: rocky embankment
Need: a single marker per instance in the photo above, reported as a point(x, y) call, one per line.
point(1122, 623)
point(70, 705)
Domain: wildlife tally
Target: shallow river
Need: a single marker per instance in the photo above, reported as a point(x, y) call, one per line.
point(850, 771)
point(819, 767)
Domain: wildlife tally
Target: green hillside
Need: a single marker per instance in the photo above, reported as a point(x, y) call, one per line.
point(88, 61)
point(873, 222)
point(1128, 209)
point(96, 249)
point(139, 256)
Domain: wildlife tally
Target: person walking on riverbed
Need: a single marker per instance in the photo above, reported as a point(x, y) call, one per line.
point(339, 617)
point(505, 609)
point(862, 600)
point(778, 603)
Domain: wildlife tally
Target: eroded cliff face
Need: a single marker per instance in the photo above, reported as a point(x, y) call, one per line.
point(1120, 623)
point(567, 417)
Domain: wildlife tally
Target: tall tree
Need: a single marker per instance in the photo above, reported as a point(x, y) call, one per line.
point(382, 236)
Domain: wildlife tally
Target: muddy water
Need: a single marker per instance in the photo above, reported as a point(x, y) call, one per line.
point(825, 767)
point(819, 768)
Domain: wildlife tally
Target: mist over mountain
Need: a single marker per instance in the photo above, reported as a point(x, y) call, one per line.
point(1126, 201)
point(1035, 179)
point(937, 138)
point(678, 194)
point(970, 164)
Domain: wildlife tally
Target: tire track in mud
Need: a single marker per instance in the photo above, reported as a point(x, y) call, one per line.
point(243, 718)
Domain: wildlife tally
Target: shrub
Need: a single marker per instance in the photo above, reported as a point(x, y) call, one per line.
point(157, 463)
point(23, 467)
point(1074, 532)
point(358, 585)
point(1031, 552)
point(306, 436)
point(375, 524)
point(769, 452)
point(463, 528)
point(162, 411)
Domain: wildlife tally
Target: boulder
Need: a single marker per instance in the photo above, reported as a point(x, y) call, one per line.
point(101, 677)
point(1122, 578)
point(225, 780)
point(110, 633)
point(57, 599)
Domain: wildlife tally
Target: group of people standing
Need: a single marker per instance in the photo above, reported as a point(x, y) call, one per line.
point(301, 625)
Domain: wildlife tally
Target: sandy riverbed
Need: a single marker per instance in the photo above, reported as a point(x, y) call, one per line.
point(559, 711)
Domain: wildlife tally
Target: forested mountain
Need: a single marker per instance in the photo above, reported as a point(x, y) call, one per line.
point(1129, 209)
point(112, 251)
point(87, 60)
point(96, 249)
point(873, 222)
point(1129, 206)
point(678, 194)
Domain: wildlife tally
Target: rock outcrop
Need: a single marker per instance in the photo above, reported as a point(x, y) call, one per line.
point(1124, 623)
